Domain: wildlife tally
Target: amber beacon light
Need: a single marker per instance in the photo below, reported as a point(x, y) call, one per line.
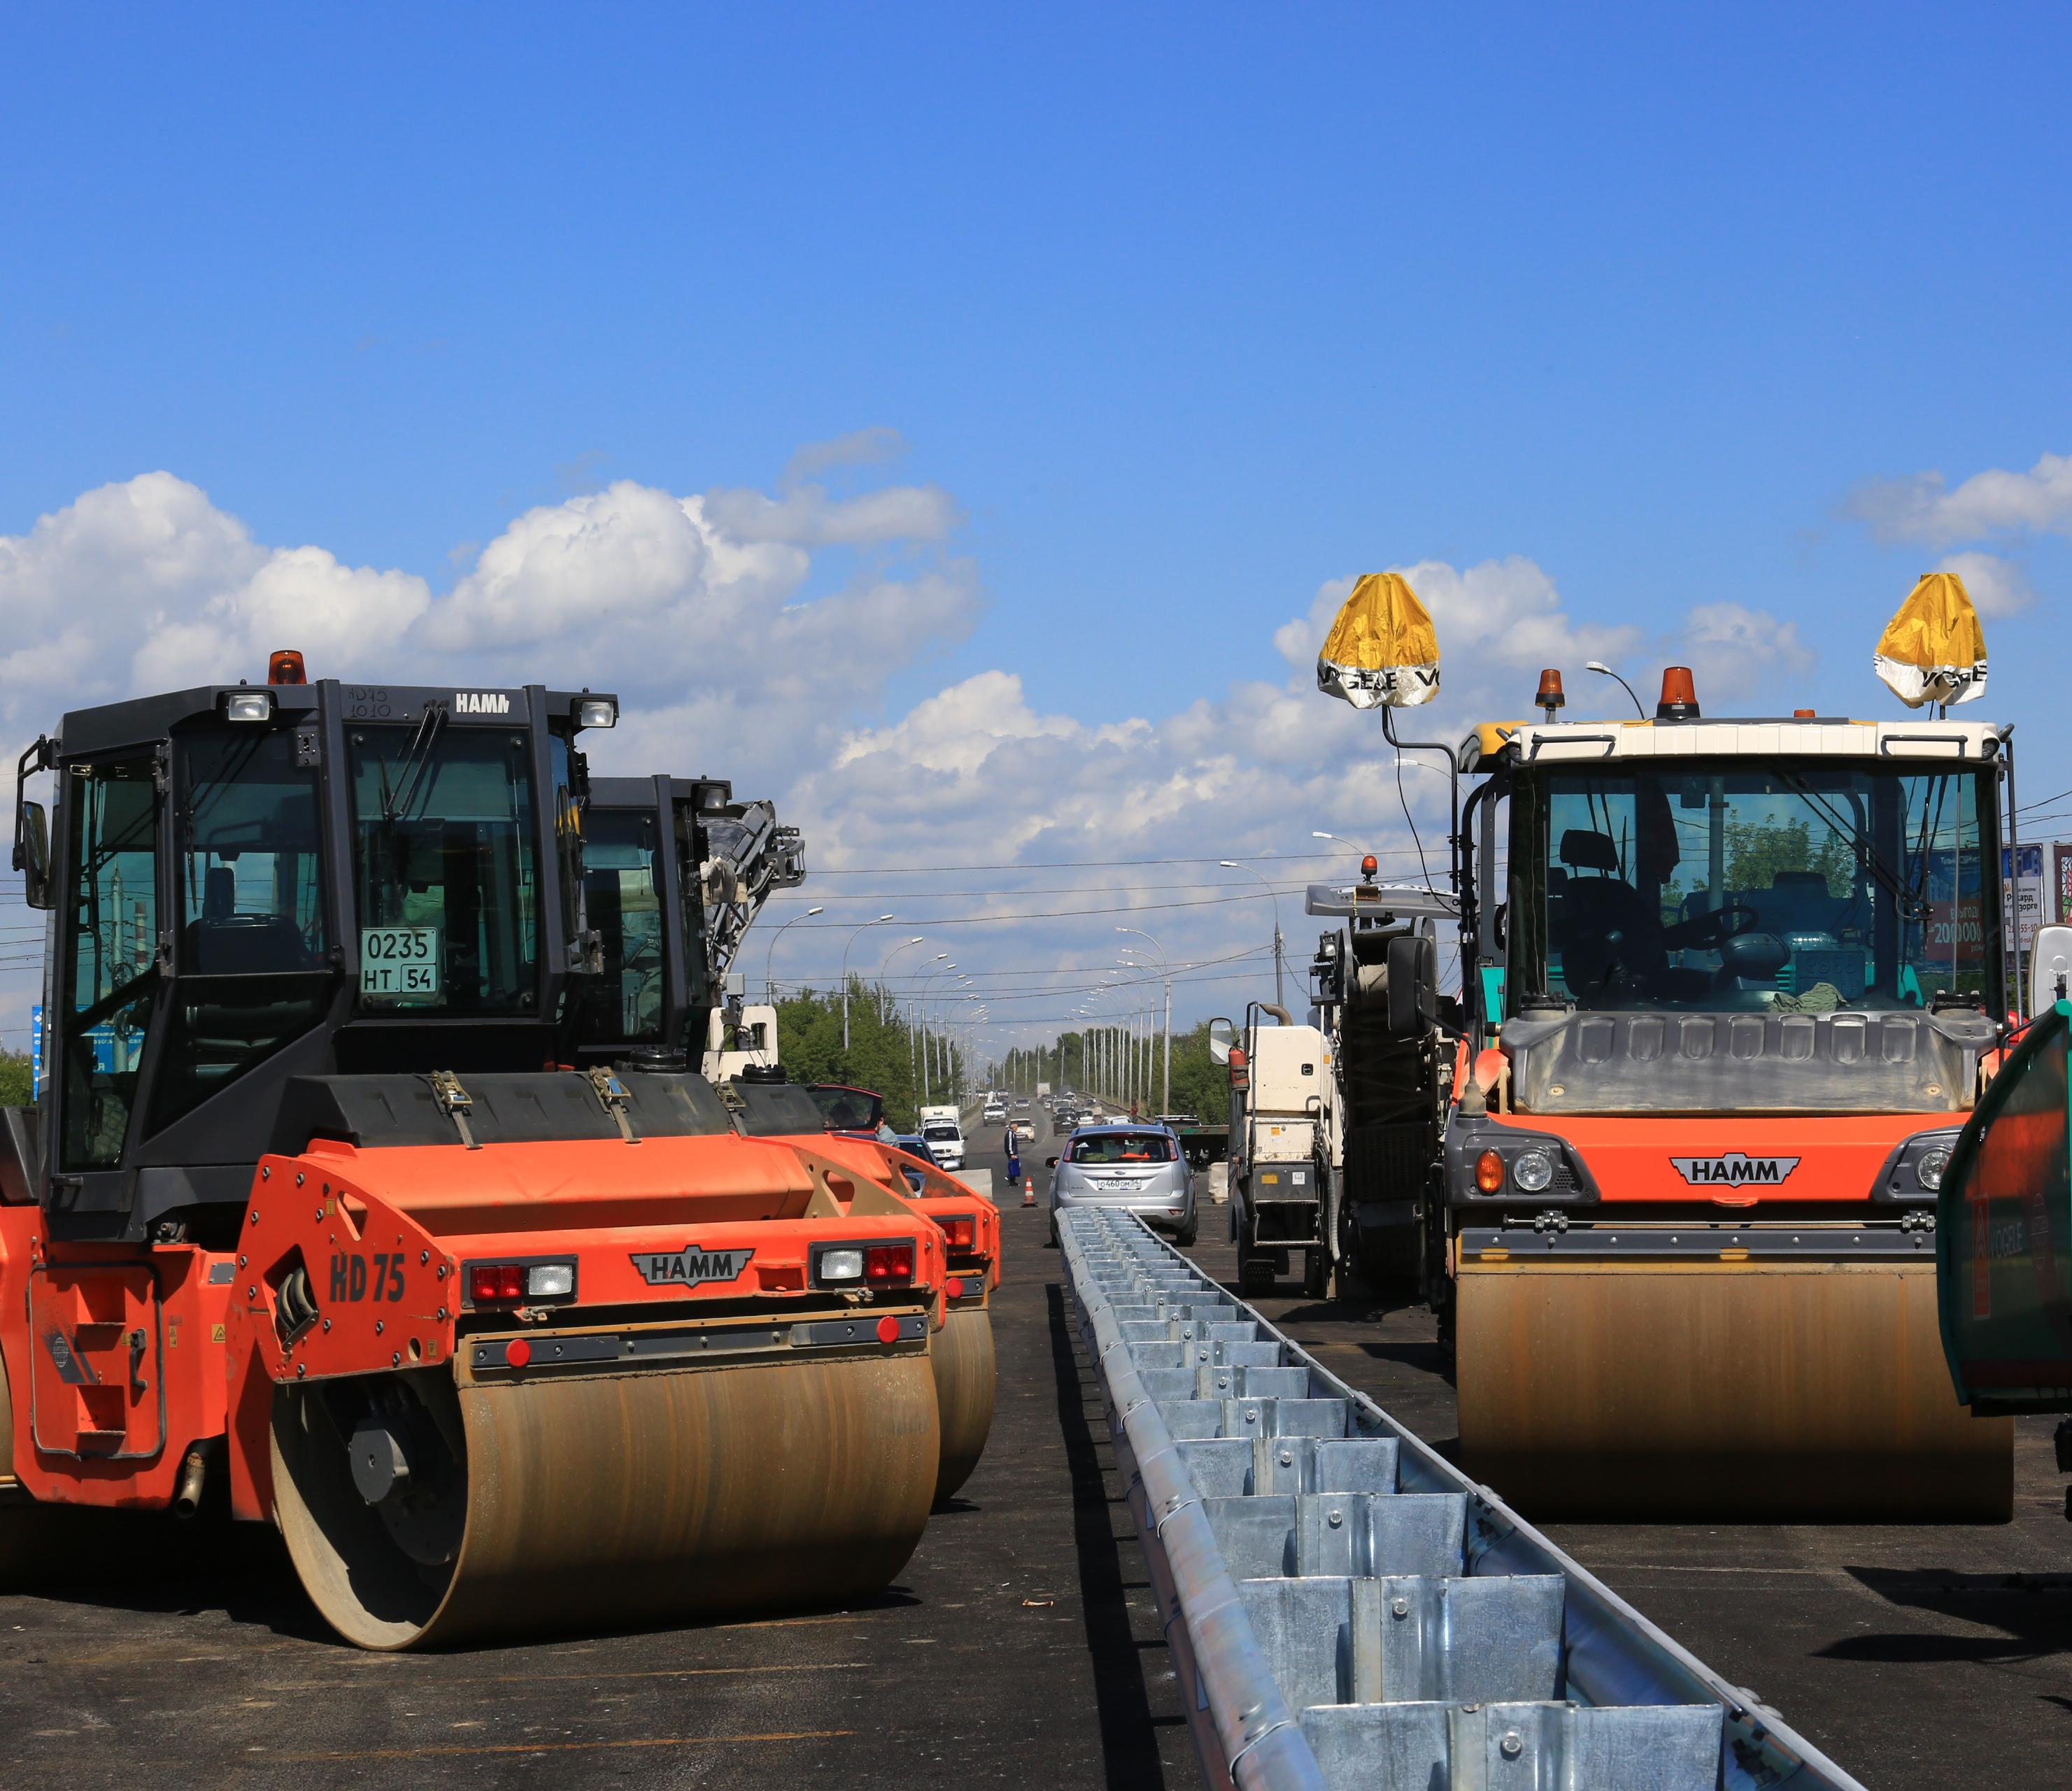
point(1679, 696)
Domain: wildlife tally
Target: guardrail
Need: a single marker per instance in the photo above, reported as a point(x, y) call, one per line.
point(1347, 1610)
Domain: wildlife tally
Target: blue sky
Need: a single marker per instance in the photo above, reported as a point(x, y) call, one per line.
point(1188, 311)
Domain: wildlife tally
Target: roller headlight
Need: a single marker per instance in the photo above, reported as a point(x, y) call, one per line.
point(1930, 1166)
point(1532, 1170)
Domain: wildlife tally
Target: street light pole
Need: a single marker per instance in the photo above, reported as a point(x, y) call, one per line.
point(921, 1015)
point(879, 922)
point(769, 993)
point(1166, 969)
point(1231, 864)
point(1599, 665)
point(913, 1034)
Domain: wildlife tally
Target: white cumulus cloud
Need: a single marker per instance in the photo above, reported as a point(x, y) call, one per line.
point(1921, 507)
point(1997, 586)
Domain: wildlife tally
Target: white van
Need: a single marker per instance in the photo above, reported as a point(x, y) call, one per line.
point(943, 1133)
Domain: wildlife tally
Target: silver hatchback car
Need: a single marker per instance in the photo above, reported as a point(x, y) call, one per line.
point(1137, 1167)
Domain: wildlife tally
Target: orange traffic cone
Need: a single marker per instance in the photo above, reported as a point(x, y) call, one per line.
point(1029, 1193)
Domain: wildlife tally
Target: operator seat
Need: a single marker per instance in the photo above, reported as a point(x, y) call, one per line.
point(1609, 925)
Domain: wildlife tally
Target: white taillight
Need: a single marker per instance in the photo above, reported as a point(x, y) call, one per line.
point(550, 1280)
point(841, 1265)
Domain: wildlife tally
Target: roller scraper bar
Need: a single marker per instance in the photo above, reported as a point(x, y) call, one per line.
point(1347, 1610)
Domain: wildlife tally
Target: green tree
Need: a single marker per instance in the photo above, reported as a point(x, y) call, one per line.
point(14, 1078)
point(883, 1051)
point(1757, 850)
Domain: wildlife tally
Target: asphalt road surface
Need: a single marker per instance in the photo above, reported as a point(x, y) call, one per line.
point(1018, 1645)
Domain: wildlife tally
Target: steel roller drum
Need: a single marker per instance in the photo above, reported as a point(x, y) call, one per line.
point(1777, 1390)
point(602, 1499)
point(965, 1380)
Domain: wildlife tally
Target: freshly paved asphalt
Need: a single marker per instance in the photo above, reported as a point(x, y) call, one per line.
point(1018, 1645)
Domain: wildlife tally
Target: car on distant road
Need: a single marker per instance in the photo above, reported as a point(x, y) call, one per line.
point(1134, 1168)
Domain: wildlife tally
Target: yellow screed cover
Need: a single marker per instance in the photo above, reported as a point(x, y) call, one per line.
point(1934, 649)
point(1382, 649)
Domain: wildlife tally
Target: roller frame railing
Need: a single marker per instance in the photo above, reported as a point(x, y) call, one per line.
point(1247, 1734)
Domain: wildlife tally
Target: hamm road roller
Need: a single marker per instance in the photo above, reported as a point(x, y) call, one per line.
point(675, 870)
point(311, 1205)
point(1666, 1167)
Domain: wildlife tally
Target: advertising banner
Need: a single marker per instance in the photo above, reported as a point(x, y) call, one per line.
point(2023, 887)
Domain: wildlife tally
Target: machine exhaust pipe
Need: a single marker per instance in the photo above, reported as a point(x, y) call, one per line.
point(194, 1477)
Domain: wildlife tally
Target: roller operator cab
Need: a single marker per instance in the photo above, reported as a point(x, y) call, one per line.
point(1666, 1166)
point(678, 858)
point(314, 1217)
point(675, 871)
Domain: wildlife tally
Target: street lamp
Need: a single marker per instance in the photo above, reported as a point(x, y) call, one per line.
point(879, 922)
point(913, 1035)
point(1165, 970)
point(1600, 666)
point(944, 967)
point(1337, 839)
point(1231, 864)
point(768, 993)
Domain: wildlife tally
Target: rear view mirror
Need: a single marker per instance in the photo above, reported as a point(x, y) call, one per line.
point(1221, 1036)
point(1049, 1162)
point(32, 854)
point(2050, 967)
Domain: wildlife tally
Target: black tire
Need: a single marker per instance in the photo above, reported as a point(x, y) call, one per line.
point(1186, 1239)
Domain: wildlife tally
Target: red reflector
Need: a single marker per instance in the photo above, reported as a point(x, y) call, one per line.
point(888, 1330)
point(518, 1353)
point(955, 1287)
point(888, 1262)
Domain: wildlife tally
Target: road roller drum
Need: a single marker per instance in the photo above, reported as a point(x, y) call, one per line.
point(1743, 1391)
point(557, 1499)
point(965, 1378)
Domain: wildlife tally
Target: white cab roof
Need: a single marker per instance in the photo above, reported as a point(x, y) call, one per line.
point(1575, 743)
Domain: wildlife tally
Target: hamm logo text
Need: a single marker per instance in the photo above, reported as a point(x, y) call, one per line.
point(690, 1265)
point(1735, 1170)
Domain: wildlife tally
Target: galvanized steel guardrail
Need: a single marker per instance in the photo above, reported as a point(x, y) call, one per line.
point(1346, 1610)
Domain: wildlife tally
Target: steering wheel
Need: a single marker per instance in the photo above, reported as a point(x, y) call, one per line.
point(1709, 931)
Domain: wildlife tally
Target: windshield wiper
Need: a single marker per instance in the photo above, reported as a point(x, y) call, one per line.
point(415, 762)
point(1913, 904)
